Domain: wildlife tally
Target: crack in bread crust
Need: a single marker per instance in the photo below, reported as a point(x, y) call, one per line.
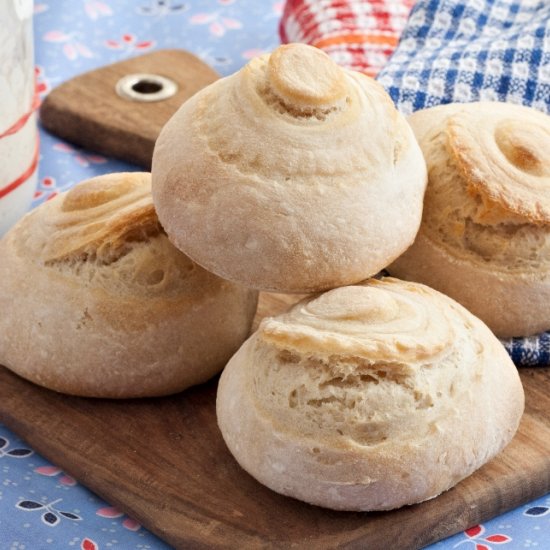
point(97, 302)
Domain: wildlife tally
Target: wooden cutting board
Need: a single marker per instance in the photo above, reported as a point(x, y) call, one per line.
point(88, 111)
point(163, 461)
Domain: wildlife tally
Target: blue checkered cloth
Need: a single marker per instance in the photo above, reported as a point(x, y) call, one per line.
point(472, 50)
point(533, 351)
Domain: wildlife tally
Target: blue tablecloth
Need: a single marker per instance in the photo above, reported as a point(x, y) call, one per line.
point(41, 507)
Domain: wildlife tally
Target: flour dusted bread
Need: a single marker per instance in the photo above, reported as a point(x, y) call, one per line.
point(95, 301)
point(485, 233)
point(369, 397)
point(291, 175)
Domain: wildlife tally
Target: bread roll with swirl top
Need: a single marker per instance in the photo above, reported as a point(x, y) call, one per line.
point(292, 175)
point(485, 233)
point(368, 397)
point(95, 301)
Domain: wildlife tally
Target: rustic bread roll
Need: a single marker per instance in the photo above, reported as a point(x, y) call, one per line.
point(95, 301)
point(485, 234)
point(292, 175)
point(369, 397)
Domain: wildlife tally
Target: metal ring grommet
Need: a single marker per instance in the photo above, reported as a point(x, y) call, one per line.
point(145, 87)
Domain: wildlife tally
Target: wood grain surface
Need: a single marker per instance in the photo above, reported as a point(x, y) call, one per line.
point(87, 111)
point(163, 461)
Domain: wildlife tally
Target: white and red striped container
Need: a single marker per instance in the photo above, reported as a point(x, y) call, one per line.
point(18, 101)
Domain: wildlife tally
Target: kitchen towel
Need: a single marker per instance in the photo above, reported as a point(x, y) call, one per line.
point(357, 34)
point(472, 50)
point(533, 351)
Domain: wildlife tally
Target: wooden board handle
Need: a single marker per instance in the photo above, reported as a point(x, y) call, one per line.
point(88, 111)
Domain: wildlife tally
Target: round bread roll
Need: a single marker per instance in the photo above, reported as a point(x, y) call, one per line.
point(369, 397)
point(485, 233)
point(292, 175)
point(95, 301)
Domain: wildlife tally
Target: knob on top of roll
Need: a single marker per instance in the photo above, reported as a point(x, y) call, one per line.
point(305, 75)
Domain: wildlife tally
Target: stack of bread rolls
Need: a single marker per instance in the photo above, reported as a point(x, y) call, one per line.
point(292, 175)
point(295, 175)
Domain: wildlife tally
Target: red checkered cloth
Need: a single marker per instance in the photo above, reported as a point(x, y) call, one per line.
point(359, 35)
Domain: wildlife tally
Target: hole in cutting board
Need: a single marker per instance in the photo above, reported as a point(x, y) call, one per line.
point(145, 87)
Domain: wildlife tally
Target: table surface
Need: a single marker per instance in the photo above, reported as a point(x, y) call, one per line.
point(40, 506)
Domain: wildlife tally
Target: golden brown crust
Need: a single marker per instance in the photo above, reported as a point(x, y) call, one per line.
point(351, 397)
point(501, 152)
point(97, 302)
point(291, 175)
point(485, 237)
point(98, 221)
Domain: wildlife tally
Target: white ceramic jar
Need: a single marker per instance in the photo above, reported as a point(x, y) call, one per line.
point(18, 131)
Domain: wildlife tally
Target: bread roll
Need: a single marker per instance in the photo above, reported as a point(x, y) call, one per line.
point(369, 397)
point(292, 175)
point(95, 301)
point(485, 234)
